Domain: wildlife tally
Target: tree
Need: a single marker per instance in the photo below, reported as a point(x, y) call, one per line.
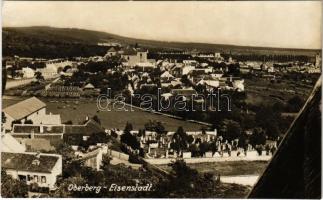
point(279, 107)
point(230, 130)
point(69, 122)
point(59, 69)
point(243, 140)
point(39, 76)
point(96, 118)
point(97, 138)
point(12, 187)
point(106, 159)
point(4, 78)
point(128, 127)
point(186, 182)
point(269, 121)
point(258, 137)
point(234, 69)
point(129, 139)
point(272, 130)
point(185, 80)
point(204, 147)
point(67, 67)
point(68, 155)
point(3, 120)
point(194, 150)
point(155, 126)
point(295, 104)
point(63, 185)
point(3, 117)
point(180, 140)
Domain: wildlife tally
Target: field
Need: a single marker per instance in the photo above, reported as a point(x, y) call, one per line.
point(76, 110)
point(232, 168)
point(263, 92)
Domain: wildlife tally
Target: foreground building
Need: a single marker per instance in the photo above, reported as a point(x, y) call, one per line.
point(38, 168)
point(30, 109)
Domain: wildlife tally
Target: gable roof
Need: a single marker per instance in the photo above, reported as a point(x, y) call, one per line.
point(24, 162)
point(89, 86)
point(166, 74)
point(10, 144)
point(24, 108)
point(89, 128)
point(140, 49)
point(112, 49)
point(184, 92)
point(130, 51)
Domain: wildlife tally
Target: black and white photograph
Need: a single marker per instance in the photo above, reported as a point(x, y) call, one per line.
point(161, 99)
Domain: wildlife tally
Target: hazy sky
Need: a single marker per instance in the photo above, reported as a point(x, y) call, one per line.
point(277, 24)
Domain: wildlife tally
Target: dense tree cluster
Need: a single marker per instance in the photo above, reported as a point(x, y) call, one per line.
point(12, 187)
point(128, 138)
point(156, 126)
point(186, 182)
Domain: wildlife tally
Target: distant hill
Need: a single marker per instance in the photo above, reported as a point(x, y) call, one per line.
point(43, 41)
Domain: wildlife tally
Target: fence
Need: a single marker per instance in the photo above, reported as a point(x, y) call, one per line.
point(251, 156)
point(119, 155)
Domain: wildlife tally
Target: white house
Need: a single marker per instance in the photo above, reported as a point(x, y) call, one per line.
point(28, 72)
point(217, 55)
point(58, 63)
point(111, 52)
point(49, 71)
point(39, 168)
point(134, 56)
point(166, 76)
point(30, 109)
point(187, 69)
point(94, 158)
point(210, 84)
point(238, 85)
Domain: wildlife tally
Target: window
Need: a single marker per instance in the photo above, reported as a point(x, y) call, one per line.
point(36, 178)
point(43, 179)
point(22, 178)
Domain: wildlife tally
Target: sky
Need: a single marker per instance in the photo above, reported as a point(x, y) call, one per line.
point(285, 24)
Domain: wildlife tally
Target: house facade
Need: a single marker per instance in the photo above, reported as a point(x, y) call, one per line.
point(32, 168)
point(28, 72)
point(133, 56)
point(29, 109)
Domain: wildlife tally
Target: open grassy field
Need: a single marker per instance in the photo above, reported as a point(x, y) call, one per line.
point(76, 110)
point(263, 92)
point(232, 168)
